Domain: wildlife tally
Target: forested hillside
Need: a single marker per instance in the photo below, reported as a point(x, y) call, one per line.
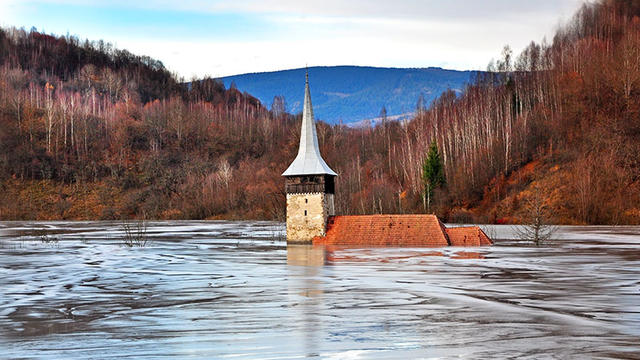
point(88, 131)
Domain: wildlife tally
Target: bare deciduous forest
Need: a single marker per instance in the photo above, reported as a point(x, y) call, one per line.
point(88, 131)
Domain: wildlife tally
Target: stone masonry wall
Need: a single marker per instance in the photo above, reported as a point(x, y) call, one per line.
point(303, 228)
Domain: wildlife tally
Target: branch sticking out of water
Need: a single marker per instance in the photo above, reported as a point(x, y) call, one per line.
point(49, 240)
point(276, 234)
point(135, 233)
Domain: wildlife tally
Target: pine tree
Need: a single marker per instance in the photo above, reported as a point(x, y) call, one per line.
point(432, 174)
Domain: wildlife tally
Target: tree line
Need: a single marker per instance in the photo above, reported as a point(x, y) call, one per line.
point(83, 120)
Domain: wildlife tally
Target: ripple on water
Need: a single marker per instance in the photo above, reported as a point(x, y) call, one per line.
point(229, 289)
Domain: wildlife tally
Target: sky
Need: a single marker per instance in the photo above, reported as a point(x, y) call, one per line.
point(196, 38)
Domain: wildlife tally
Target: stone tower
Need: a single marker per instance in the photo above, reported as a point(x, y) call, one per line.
point(310, 183)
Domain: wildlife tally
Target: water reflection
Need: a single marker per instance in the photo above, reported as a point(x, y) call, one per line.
point(467, 255)
point(306, 255)
point(305, 292)
point(320, 255)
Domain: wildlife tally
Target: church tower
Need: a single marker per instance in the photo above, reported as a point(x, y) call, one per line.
point(310, 183)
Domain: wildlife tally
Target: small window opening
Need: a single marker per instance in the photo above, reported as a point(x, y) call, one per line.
point(305, 213)
point(306, 201)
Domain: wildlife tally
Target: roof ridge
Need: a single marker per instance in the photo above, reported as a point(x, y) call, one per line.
point(394, 215)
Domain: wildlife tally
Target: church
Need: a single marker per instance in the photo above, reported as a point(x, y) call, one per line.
point(311, 218)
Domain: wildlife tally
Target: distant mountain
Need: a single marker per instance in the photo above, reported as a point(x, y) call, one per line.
point(352, 93)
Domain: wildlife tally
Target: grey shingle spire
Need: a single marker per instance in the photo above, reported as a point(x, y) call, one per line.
point(309, 161)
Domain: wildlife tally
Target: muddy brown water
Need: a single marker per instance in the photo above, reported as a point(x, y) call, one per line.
point(234, 290)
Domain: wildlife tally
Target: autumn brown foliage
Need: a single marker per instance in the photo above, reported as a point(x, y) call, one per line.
point(80, 115)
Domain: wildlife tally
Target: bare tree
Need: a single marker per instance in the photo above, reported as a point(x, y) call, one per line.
point(49, 113)
point(278, 106)
point(537, 216)
point(224, 173)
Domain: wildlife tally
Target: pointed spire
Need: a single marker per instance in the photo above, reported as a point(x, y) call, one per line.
point(308, 161)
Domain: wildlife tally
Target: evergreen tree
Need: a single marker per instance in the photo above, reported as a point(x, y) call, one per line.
point(432, 174)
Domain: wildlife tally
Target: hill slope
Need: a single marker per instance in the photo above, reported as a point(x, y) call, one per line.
point(352, 93)
point(555, 134)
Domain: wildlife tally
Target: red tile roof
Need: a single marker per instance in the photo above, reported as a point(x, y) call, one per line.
point(385, 230)
point(397, 230)
point(468, 236)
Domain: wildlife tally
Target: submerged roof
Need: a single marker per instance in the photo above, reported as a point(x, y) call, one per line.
point(386, 230)
point(398, 230)
point(309, 161)
point(468, 236)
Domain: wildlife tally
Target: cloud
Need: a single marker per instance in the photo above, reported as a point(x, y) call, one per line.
point(403, 9)
point(221, 58)
point(7, 9)
point(229, 37)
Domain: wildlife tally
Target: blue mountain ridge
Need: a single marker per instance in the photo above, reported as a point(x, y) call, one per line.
point(352, 93)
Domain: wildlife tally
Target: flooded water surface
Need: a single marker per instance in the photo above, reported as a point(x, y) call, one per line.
point(234, 290)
